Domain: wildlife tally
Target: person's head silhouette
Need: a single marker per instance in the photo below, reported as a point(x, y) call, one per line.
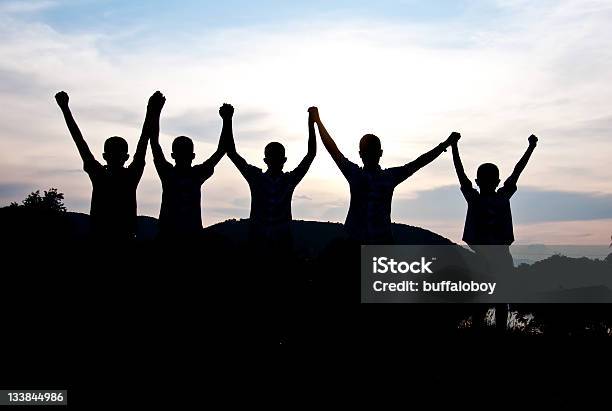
point(275, 157)
point(487, 177)
point(370, 150)
point(115, 152)
point(182, 151)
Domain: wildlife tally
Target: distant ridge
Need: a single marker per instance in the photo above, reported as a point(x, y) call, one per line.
point(310, 237)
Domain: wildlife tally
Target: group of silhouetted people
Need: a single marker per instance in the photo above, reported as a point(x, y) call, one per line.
point(113, 201)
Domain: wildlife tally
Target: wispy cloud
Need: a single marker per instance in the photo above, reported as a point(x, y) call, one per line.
point(26, 6)
point(10, 191)
point(530, 205)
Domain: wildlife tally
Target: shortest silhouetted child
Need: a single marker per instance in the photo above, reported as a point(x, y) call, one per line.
point(488, 224)
point(489, 219)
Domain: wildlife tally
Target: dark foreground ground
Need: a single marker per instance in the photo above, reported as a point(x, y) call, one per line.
point(148, 315)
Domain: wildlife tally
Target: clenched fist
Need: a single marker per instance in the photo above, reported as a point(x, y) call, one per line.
point(226, 111)
point(62, 99)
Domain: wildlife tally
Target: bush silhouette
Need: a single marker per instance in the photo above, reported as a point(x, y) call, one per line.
point(52, 200)
point(37, 218)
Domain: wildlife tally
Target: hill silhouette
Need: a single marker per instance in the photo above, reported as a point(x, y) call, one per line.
point(55, 268)
point(310, 236)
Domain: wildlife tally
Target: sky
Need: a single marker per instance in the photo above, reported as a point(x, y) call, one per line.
point(408, 71)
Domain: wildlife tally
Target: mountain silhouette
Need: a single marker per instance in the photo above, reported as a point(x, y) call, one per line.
point(56, 268)
point(310, 237)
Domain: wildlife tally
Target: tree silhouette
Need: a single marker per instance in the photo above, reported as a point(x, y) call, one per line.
point(51, 200)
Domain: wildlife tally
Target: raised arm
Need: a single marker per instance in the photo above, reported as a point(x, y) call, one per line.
point(327, 140)
point(227, 111)
point(520, 166)
point(156, 103)
point(302, 168)
point(425, 159)
point(463, 178)
point(313, 113)
point(62, 101)
point(150, 126)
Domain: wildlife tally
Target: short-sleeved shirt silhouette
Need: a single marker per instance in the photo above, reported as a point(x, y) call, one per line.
point(369, 216)
point(270, 216)
point(113, 198)
point(489, 217)
point(180, 212)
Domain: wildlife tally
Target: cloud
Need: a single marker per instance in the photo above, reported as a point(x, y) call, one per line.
point(228, 212)
point(205, 125)
point(107, 113)
point(13, 191)
point(25, 6)
point(529, 205)
point(592, 130)
point(15, 82)
point(535, 206)
point(566, 232)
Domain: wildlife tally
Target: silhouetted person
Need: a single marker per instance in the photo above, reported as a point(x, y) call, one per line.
point(369, 216)
point(180, 215)
point(272, 190)
point(113, 198)
point(488, 224)
point(489, 218)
